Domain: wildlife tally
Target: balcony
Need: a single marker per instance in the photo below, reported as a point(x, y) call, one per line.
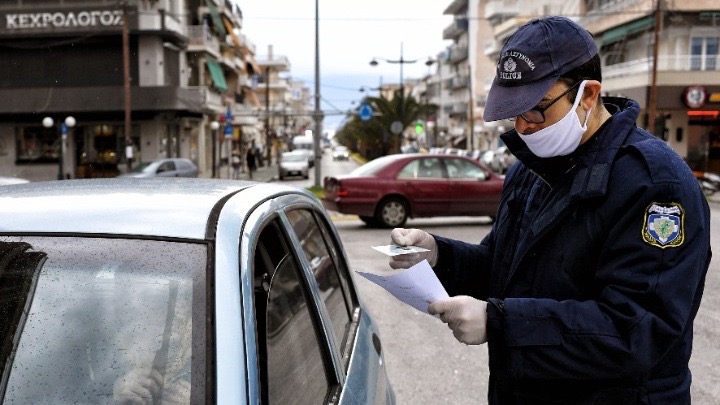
point(201, 39)
point(458, 54)
point(500, 9)
point(163, 23)
point(456, 28)
point(668, 63)
point(460, 82)
point(492, 48)
point(456, 7)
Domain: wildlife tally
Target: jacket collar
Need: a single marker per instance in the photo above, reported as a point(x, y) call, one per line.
point(592, 161)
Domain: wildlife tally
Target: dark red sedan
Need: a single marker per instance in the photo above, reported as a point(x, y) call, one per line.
point(388, 190)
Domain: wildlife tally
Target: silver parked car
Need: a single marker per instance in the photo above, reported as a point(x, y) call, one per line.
point(169, 167)
point(7, 180)
point(293, 164)
point(179, 291)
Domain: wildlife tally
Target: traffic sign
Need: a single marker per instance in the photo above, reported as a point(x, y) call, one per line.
point(365, 112)
point(396, 127)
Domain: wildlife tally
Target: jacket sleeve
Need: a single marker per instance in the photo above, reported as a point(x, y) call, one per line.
point(464, 268)
point(646, 294)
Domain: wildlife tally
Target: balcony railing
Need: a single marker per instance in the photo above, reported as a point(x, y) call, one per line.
point(456, 28)
point(458, 54)
point(200, 36)
point(668, 63)
point(501, 8)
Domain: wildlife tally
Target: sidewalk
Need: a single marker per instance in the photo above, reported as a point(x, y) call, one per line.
point(262, 174)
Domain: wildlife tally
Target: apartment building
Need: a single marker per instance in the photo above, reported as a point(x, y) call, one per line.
point(671, 46)
point(189, 66)
point(275, 92)
point(458, 101)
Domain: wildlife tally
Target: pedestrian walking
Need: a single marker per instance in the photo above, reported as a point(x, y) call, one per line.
point(250, 160)
point(587, 286)
point(236, 165)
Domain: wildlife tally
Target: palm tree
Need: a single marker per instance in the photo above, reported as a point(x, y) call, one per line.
point(374, 138)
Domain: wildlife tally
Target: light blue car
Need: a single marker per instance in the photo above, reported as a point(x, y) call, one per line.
point(179, 291)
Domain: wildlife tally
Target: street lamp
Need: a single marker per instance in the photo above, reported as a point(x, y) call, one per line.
point(431, 138)
point(69, 122)
point(214, 126)
point(401, 114)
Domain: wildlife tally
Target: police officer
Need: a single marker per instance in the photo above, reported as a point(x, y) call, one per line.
point(587, 286)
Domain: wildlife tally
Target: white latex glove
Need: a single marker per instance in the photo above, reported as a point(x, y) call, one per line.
point(465, 316)
point(413, 237)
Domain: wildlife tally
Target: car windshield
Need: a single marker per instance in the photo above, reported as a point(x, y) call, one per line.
point(84, 317)
point(140, 167)
point(341, 149)
point(294, 157)
point(373, 166)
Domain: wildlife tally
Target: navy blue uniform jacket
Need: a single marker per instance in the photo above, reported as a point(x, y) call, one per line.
point(593, 270)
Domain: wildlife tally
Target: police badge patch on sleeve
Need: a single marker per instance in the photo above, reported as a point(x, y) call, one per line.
point(664, 225)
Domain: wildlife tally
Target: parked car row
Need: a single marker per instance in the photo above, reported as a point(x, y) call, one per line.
point(498, 160)
point(387, 191)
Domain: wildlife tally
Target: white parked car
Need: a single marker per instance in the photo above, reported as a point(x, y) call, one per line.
point(293, 164)
point(340, 152)
point(169, 167)
point(6, 180)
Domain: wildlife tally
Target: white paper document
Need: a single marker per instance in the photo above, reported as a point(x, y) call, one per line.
point(394, 250)
point(417, 286)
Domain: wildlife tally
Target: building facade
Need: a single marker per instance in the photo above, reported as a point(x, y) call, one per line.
point(188, 66)
point(664, 54)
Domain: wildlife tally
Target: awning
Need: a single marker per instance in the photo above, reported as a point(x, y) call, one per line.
point(251, 96)
point(217, 75)
point(215, 16)
point(230, 29)
point(252, 65)
point(628, 29)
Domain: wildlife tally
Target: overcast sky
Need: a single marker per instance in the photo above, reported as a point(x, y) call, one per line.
point(351, 34)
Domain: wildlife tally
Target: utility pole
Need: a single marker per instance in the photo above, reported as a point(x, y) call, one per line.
point(268, 140)
point(126, 77)
point(652, 100)
point(317, 115)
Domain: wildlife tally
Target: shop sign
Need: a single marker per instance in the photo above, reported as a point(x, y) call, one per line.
point(60, 19)
point(695, 96)
point(714, 98)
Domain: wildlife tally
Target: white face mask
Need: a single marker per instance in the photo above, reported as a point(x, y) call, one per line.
point(562, 137)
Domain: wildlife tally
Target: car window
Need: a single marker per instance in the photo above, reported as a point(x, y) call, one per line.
point(423, 168)
point(294, 359)
point(166, 166)
point(324, 270)
point(95, 315)
point(462, 169)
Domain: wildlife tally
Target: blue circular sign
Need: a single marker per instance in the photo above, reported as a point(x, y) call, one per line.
point(365, 112)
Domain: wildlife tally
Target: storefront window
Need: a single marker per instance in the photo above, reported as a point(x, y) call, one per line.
point(37, 144)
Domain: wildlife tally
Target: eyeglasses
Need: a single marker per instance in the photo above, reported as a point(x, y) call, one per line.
point(537, 114)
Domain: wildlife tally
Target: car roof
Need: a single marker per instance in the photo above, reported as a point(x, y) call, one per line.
point(156, 207)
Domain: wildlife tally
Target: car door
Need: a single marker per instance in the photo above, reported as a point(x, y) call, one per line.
point(471, 189)
point(301, 320)
point(423, 182)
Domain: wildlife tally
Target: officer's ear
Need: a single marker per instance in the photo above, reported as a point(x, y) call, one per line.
point(591, 94)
